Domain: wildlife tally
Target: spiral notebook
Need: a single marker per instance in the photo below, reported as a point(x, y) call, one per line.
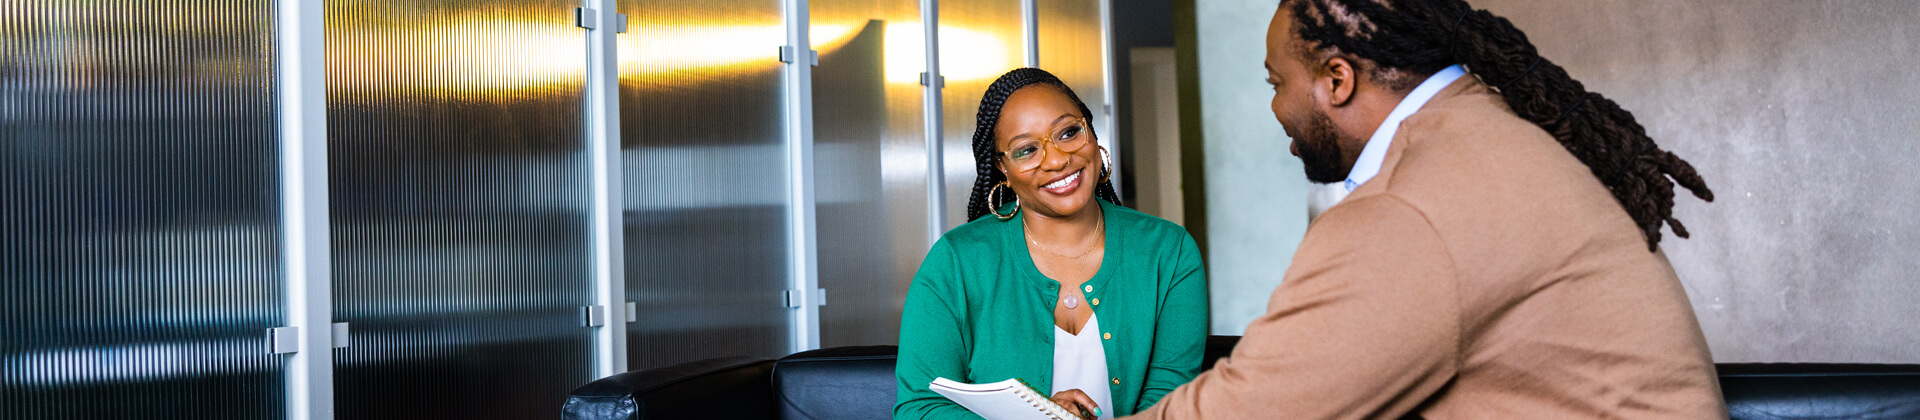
point(1005, 400)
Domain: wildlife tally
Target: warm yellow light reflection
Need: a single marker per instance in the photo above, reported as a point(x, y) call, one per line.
point(481, 54)
point(965, 54)
point(706, 49)
point(655, 52)
point(495, 54)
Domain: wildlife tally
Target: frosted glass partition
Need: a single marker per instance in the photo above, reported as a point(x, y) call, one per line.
point(1070, 44)
point(704, 179)
point(139, 259)
point(459, 207)
point(979, 41)
point(870, 164)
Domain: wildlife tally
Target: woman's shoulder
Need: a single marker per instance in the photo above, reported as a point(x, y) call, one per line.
point(1144, 227)
point(982, 234)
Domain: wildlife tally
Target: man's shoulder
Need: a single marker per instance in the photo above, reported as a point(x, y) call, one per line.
point(1474, 122)
point(1374, 220)
point(1469, 153)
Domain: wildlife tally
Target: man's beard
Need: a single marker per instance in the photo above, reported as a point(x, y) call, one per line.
point(1319, 149)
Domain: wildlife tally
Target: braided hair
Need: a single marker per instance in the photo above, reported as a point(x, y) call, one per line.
point(985, 152)
point(1409, 38)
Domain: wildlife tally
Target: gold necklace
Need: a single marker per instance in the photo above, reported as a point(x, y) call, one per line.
point(1100, 225)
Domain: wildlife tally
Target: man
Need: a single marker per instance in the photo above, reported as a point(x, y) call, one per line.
point(1479, 267)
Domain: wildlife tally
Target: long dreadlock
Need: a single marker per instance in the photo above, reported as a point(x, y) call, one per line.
point(984, 152)
point(1407, 38)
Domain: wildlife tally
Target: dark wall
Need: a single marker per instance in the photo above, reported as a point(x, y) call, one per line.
point(1136, 23)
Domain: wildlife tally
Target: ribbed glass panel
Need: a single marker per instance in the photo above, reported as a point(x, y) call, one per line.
point(1070, 48)
point(870, 164)
point(705, 179)
point(139, 264)
point(459, 207)
point(979, 41)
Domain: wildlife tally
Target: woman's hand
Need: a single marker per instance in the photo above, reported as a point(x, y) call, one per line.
point(1077, 402)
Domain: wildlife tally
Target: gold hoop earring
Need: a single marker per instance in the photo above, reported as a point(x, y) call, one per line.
point(994, 207)
point(1106, 164)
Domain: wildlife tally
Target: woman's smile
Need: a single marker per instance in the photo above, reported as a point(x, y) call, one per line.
point(1065, 184)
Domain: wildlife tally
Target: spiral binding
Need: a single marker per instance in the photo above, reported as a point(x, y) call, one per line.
point(1035, 399)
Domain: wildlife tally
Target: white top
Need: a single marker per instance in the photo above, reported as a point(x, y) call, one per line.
point(1080, 362)
point(1375, 153)
point(1321, 197)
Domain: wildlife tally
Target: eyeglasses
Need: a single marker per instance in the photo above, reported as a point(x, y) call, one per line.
point(1025, 155)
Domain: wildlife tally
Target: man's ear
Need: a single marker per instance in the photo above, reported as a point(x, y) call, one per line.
point(1339, 80)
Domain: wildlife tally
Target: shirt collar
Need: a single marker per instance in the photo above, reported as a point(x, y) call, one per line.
point(1375, 153)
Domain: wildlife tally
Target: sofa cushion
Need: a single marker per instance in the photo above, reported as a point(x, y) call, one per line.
point(1820, 391)
point(851, 383)
point(858, 383)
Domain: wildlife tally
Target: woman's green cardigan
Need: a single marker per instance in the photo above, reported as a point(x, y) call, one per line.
point(979, 311)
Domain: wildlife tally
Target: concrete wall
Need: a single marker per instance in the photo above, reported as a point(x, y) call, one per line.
point(1804, 117)
point(1256, 191)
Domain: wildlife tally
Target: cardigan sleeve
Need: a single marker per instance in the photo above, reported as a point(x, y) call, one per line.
point(1180, 331)
point(932, 339)
point(1365, 325)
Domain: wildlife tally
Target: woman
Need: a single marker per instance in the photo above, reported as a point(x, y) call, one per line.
point(1100, 306)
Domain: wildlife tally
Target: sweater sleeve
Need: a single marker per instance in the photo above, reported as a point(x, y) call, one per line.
point(1180, 333)
point(932, 339)
point(1365, 325)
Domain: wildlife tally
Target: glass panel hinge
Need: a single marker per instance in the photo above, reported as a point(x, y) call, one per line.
point(792, 298)
point(283, 340)
point(787, 53)
point(590, 19)
point(286, 340)
point(586, 18)
point(593, 315)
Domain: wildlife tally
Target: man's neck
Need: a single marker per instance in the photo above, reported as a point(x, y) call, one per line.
point(1374, 147)
point(1369, 109)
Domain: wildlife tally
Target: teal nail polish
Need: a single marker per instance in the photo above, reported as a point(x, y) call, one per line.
point(1096, 412)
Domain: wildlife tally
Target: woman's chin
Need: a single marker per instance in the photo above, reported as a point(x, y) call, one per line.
point(1066, 206)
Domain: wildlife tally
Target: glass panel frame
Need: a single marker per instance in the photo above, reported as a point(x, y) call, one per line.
point(140, 263)
point(705, 180)
point(459, 206)
point(870, 164)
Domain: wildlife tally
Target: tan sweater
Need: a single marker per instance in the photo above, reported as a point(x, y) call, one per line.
point(1484, 274)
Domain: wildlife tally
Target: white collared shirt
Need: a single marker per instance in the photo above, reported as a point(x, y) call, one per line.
point(1375, 153)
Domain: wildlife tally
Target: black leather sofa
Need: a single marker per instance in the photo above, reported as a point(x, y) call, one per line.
point(855, 383)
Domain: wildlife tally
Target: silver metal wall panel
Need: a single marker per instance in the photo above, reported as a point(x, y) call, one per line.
point(871, 169)
point(459, 196)
point(138, 200)
point(705, 179)
point(979, 41)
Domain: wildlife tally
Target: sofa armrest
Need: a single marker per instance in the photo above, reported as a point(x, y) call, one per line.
point(729, 387)
point(1218, 346)
point(842, 383)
